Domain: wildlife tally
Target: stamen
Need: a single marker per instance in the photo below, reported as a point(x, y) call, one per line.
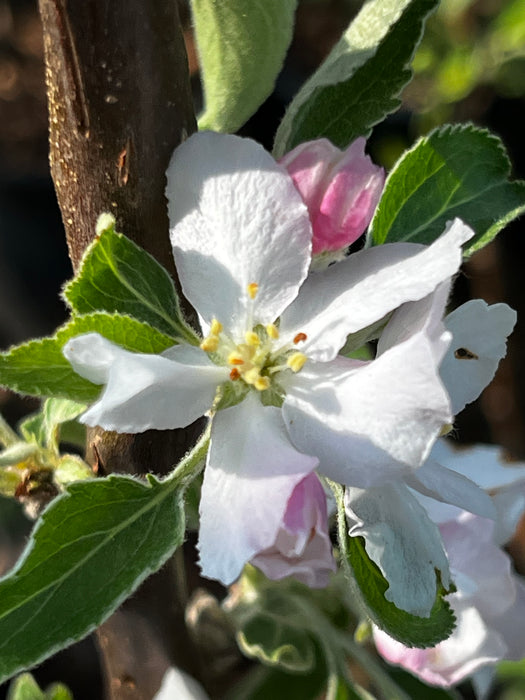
point(234, 358)
point(252, 376)
point(210, 344)
point(252, 338)
point(262, 383)
point(235, 374)
point(296, 361)
point(216, 327)
point(253, 288)
point(299, 338)
point(273, 331)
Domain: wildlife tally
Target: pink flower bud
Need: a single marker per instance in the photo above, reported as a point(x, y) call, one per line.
point(340, 188)
point(302, 548)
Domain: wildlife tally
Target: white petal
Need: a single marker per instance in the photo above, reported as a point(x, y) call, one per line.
point(235, 219)
point(251, 472)
point(145, 391)
point(446, 485)
point(403, 542)
point(367, 422)
point(177, 685)
point(423, 316)
point(485, 465)
point(361, 289)
point(479, 342)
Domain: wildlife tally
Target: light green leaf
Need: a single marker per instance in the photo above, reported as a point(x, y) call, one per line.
point(116, 276)
point(241, 45)
point(17, 453)
point(39, 367)
point(454, 171)
point(71, 468)
point(90, 549)
point(55, 412)
point(273, 641)
point(25, 688)
point(360, 81)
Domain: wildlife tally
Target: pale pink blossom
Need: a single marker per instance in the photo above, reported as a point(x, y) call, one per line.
point(340, 189)
point(302, 548)
point(489, 605)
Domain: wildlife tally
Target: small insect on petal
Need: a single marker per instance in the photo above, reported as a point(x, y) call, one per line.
point(465, 354)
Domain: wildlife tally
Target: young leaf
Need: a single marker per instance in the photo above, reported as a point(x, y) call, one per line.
point(117, 276)
point(39, 367)
point(409, 629)
point(26, 688)
point(360, 81)
point(241, 45)
point(454, 171)
point(90, 549)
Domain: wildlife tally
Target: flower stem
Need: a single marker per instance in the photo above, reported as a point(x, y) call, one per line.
point(192, 463)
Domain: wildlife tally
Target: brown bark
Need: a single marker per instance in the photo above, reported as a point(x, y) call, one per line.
point(119, 103)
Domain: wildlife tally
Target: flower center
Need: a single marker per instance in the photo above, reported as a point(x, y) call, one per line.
point(257, 360)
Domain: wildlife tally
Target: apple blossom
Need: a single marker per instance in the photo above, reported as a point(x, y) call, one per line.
point(399, 537)
point(241, 239)
point(489, 605)
point(302, 547)
point(340, 188)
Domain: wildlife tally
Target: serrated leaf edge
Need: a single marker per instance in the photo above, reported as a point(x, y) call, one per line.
point(108, 610)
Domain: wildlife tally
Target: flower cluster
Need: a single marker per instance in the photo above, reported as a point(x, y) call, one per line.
point(286, 406)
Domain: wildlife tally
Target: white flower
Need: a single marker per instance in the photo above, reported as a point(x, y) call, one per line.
point(241, 239)
point(399, 536)
point(489, 605)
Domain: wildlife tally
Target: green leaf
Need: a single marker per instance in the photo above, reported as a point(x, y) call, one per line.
point(241, 45)
point(39, 367)
point(90, 549)
point(454, 171)
point(25, 688)
point(55, 412)
point(360, 81)
point(273, 632)
point(265, 682)
point(410, 630)
point(117, 276)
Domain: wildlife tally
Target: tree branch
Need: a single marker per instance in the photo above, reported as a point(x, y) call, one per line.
point(119, 103)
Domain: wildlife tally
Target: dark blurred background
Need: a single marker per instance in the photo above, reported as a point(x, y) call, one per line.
point(471, 67)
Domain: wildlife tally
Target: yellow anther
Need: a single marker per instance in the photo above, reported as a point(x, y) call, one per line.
point(252, 339)
point(253, 288)
point(296, 361)
point(235, 358)
point(262, 383)
point(210, 344)
point(252, 376)
point(273, 331)
point(216, 327)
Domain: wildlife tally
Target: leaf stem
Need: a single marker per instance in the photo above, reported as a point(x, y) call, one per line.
point(192, 463)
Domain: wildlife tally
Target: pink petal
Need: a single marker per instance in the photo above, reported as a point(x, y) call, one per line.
point(340, 188)
point(302, 548)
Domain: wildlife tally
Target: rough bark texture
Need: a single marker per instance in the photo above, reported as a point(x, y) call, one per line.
point(119, 103)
